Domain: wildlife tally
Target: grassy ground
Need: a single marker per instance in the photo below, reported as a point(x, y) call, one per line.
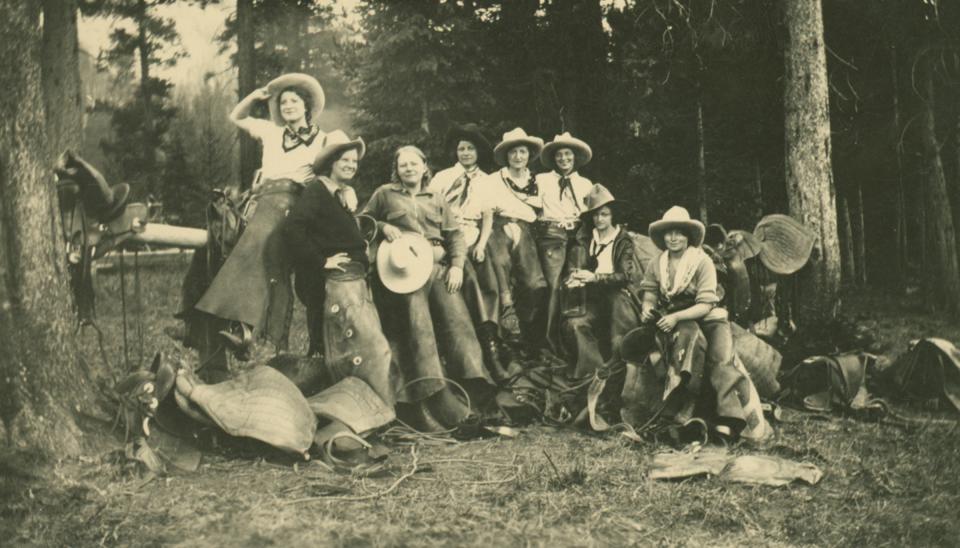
point(883, 485)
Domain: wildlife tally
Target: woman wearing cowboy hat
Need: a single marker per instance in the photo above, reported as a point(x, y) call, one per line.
point(253, 286)
point(680, 295)
point(515, 203)
point(420, 266)
point(461, 186)
point(601, 264)
point(330, 260)
point(563, 192)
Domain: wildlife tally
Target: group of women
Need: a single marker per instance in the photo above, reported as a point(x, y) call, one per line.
point(522, 263)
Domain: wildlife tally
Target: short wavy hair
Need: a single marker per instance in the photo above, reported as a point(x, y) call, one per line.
point(395, 173)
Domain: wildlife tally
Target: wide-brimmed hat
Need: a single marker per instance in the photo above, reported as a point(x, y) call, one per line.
point(104, 202)
point(598, 197)
point(787, 243)
point(677, 217)
point(404, 265)
point(582, 152)
point(308, 84)
point(336, 142)
point(469, 132)
point(513, 138)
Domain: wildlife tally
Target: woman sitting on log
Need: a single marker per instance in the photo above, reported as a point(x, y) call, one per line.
point(420, 266)
point(601, 296)
point(680, 295)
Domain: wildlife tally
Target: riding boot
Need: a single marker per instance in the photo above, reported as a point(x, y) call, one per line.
point(447, 408)
point(491, 352)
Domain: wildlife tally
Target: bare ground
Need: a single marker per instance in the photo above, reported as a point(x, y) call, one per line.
point(883, 484)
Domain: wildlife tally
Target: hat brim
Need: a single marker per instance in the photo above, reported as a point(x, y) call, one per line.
point(693, 228)
point(612, 203)
point(329, 151)
point(411, 279)
point(582, 153)
point(535, 144)
point(301, 81)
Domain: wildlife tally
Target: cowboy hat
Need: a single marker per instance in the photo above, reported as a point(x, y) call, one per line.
point(598, 197)
point(405, 264)
point(304, 82)
point(582, 152)
point(514, 138)
point(104, 202)
point(337, 142)
point(469, 132)
point(677, 217)
point(787, 243)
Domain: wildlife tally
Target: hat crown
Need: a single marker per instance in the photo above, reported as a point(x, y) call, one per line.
point(401, 255)
point(565, 136)
point(336, 137)
point(515, 134)
point(677, 214)
point(599, 196)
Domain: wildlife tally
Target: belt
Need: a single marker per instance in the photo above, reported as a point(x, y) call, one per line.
point(565, 225)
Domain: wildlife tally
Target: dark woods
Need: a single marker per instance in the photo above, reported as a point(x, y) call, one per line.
point(682, 102)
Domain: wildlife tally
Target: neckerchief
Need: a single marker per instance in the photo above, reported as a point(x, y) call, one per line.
point(686, 268)
point(567, 184)
point(597, 247)
point(459, 189)
point(303, 136)
point(529, 190)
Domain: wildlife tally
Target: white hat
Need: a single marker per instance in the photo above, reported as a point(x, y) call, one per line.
point(308, 84)
point(513, 138)
point(677, 217)
point(405, 264)
point(336, 142)
point(582, 152)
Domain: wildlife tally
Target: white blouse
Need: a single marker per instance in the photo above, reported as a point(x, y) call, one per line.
point(295, 164)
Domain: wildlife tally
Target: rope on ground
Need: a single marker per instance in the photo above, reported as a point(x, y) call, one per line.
point(414, 466)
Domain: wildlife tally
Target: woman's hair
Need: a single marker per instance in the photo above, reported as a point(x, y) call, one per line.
point(326, 167)
point(304, 96)
point(395, 173)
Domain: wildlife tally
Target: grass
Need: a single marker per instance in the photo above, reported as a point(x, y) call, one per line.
point(883, 485)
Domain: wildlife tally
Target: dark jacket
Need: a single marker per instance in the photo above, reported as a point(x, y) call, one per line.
point(627, 272)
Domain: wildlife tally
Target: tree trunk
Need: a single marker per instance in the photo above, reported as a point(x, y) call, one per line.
point(701, 162)
point(247, 80)
point(846, 241)
point(42, 383)
point(62, 98)
point(942, 274)
point(900, 223)
point(809, 177)
point(859, 238)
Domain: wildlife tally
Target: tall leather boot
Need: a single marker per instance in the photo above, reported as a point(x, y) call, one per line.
point(489, 345)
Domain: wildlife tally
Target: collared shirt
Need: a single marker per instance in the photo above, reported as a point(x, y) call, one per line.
point(602, 250)
point(295, 164)
point(507, 202)
point(427, 214)
point(450, 183)
point(563, 204)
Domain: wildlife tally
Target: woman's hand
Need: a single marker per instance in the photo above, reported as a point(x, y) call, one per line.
point(391, 233)
point(336, 262)
point(479, 253)
point(667, 323)
point(585, 276)
point(454, 279)
point(646, 314)
point(260, 94)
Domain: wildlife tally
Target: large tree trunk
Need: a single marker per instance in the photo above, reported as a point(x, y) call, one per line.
point(62, 98)
point(41, 384)
point(247, 80)
point(942, 274)
point(809, 177)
